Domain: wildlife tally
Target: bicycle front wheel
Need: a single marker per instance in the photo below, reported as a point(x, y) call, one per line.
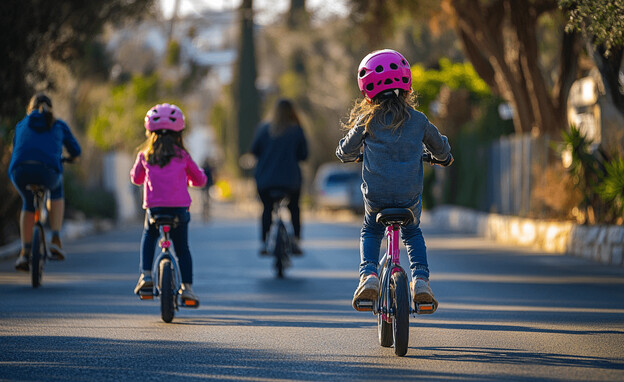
point(384, 328)
point(37, 257)
point(167, 293)
point(400, 303)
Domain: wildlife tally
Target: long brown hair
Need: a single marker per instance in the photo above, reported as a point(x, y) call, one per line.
point(161, 146)
point(365, 111)
point(284, 116)
point(43, 104)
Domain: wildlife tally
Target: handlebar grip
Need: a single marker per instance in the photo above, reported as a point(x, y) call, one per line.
point(427, 157)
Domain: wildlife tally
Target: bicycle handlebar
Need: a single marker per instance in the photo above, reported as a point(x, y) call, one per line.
point(428, 158)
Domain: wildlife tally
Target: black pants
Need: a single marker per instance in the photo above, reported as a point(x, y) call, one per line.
point(293, 207)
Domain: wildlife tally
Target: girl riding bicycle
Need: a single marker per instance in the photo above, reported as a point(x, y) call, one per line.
point(388, 134)
point(165, 169)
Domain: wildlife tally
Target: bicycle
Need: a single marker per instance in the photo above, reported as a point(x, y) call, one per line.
point(279, 240)
point(394, 303)
point(166, 271)
point(39, 250)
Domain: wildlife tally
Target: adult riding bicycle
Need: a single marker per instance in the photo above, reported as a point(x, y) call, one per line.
point(166, 271)
point(40, 252)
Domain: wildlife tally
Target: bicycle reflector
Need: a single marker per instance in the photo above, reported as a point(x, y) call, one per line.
point(166, 228)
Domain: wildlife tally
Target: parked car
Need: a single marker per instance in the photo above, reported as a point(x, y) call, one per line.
point(337, 186)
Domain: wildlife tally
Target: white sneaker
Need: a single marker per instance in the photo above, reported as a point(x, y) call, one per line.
point(368, 289)
point(422, 293)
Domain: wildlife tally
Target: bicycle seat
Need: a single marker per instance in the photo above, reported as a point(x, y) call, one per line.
point(278, 194)
point(389, 216)
point(161, 220)
point(36, 187)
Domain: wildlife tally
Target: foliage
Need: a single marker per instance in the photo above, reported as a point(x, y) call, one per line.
point(611, 188)
point(597, 177)
point(602, 19)
point(118, 123)
point(427, 83)
point(173, 53)
point(37, 30)
point(92, 202)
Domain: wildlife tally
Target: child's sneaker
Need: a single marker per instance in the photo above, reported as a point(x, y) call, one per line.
point(145, 285)
point(188, 297)
point(22, 262)
point(423, 295)
point(56, 249)
point(367, 290)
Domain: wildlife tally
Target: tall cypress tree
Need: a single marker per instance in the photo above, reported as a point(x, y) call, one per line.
point(246, 99)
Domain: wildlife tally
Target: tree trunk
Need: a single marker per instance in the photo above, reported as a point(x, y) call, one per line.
point(500, 39)
point(246, 98)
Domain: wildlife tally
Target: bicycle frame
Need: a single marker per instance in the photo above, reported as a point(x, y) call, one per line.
point(167, 251)
point(389, 265)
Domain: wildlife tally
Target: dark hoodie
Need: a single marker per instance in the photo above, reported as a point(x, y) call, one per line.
point(34, 141)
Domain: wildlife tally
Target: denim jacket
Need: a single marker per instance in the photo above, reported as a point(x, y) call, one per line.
point(392, 168)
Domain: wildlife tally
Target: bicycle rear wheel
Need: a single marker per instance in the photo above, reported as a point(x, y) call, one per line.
point(400, 321)
point(281, 249)
point(37, 257)
point(167, 294)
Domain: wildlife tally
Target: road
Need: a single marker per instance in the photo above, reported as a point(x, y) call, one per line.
point(505, 313)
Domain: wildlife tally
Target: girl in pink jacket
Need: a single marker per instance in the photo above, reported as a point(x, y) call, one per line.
point(165, 169)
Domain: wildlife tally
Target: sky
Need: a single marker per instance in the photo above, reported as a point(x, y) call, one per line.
point(265, 9)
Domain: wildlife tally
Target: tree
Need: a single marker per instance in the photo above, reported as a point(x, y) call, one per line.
point(33, 33)
point(246, 99)
point(603, 23)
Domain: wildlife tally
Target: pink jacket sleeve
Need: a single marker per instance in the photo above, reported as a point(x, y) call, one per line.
point(137, 174)
point(196, 176)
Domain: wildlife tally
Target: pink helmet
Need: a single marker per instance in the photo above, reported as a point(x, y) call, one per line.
point(164, 117)
point(383, 70)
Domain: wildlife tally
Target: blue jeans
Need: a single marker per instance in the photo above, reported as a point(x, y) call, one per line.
point(372, 234)
point(178, 235)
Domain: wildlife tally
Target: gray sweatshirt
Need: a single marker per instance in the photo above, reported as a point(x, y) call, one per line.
point(392, 169)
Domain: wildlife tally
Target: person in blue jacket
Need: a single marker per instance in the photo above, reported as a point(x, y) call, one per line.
point(36, 159)
point(279, 145)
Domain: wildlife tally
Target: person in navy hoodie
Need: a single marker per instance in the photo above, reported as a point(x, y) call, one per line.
point(36, 159)
point(279, 145)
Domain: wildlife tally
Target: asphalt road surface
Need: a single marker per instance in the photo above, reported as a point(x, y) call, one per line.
point(506, 314)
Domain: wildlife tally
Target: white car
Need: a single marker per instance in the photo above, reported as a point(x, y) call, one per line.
point(338, 186)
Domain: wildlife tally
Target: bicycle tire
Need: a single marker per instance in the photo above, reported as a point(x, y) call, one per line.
point(167, 294)
point(281, 249)
point(384, 328)
point(401, 305)
point(37, 257)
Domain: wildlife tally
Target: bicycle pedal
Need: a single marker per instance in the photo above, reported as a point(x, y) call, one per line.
point(364, 305)
point(425, 308)
point(190, 303)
